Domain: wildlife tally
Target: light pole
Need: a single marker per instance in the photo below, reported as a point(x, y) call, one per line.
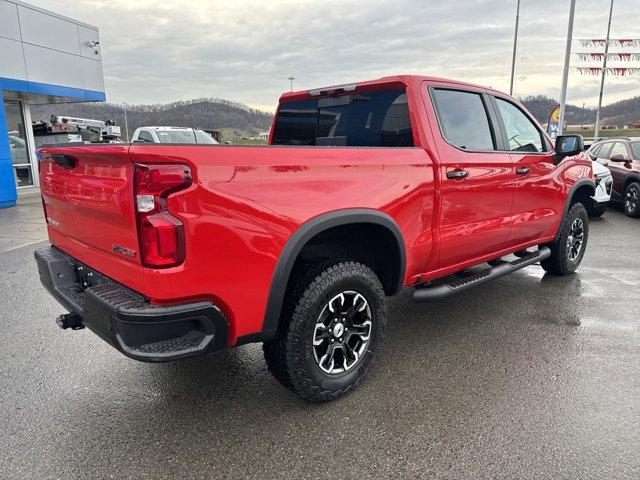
point(291, 79)
point(565, 71)
point(515, 48)
point(604, 70)
point(126, 125)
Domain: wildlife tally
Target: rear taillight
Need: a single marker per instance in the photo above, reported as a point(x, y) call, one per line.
point(161, 234)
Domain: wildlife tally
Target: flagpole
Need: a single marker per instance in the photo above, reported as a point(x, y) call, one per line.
point(565, 71)
point(515, 47)
point(604, 70)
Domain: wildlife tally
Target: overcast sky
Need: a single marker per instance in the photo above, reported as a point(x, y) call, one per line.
point(163, 51)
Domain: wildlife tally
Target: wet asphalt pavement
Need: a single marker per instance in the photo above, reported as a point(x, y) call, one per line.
point(530, 376)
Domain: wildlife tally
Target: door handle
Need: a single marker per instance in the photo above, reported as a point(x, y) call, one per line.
point(523, 171)
point(65, 161)
point(457, 174)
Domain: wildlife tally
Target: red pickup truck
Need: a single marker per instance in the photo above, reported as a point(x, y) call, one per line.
point(172, 251)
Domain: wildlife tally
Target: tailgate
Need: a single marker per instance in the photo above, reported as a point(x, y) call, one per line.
point(88, 197)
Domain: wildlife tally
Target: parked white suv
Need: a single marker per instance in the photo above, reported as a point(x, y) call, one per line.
point(171, 135)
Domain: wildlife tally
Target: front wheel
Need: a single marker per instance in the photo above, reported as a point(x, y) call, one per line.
point(330, 332)
point(632, 200)
point(567, 251)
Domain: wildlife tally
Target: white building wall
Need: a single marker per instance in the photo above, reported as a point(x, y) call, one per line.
point(40, 46)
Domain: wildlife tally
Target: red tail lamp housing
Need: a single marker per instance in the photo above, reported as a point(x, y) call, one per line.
point(161, 235)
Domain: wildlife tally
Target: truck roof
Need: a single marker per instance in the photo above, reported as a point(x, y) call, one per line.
point(404, 80)
point(169, 128)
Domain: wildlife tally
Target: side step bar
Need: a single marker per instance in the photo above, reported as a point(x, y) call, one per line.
point(500, 268)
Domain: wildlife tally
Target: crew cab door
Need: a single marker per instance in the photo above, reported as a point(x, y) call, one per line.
point(537, 200)
point(476, 178)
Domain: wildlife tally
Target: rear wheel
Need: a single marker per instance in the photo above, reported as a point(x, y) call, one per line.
point(567, 251)
point(632, 200)
point(329, 332)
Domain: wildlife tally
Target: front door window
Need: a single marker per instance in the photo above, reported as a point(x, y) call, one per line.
point(18, 144)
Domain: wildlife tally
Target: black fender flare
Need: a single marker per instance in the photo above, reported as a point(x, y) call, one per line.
point(299, 239)
point(580, 183)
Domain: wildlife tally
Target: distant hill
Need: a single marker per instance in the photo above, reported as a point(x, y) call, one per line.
point(206, 113)
point(620, 113)
point(237, 120)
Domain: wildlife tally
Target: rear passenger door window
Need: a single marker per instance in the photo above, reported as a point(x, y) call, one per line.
point(604, 150)
point(463, 119)
point(522, 134)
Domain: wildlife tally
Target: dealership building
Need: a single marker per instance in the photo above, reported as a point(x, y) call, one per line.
point(44, 58)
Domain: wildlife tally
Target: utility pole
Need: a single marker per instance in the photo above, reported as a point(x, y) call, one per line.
point(515, 49)
point(126, 125)
point(291, 79)
point(565, 71)
point(604, 70)
point(582, 117)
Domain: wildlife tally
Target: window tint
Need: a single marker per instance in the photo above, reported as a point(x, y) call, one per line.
point(619, 148)
point(368, 119)
point(146, 136)
point(604, 150)
point(595, 150)
point(463, 119)
point(522, 134)
point(635, 147)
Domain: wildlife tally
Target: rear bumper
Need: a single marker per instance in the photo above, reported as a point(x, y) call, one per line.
point(125, 319)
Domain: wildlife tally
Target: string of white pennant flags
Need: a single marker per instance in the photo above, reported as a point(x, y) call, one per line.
point(613, 56)
point(615, 71)
point(623, 57)
point(613, 42)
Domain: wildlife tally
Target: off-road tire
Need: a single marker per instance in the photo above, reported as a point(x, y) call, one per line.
point(290, 356)
point(632, 208)
point(598, 210)
point(559, 263)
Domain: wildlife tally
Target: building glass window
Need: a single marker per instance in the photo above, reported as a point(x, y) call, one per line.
point(18, 143)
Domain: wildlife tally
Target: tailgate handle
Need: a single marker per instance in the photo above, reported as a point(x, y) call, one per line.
point(65, 161)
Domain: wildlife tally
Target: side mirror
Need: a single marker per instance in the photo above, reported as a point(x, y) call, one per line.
point(567, 146)
point(618, 159)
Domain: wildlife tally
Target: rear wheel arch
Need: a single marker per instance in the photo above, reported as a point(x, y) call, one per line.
point(322, 237)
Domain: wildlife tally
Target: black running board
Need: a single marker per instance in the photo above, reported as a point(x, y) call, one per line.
point(499, 269)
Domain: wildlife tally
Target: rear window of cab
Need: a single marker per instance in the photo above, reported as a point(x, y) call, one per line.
point(364, 119)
